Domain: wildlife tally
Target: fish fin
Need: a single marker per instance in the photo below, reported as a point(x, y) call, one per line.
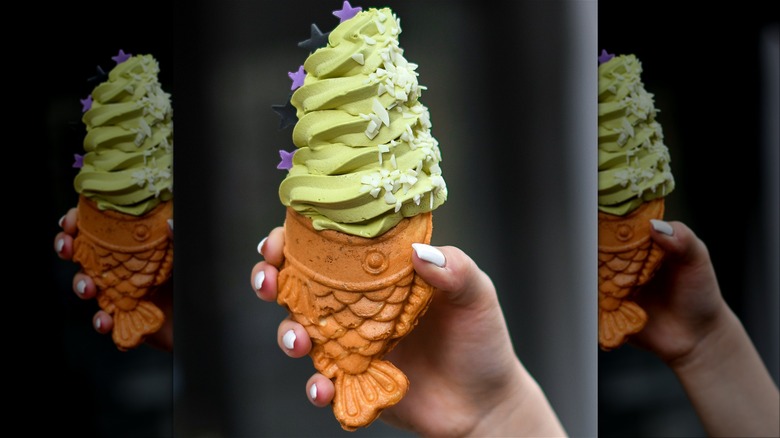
point(616, 325)
point(415, 307)
point(360, 398)
point(131, 326)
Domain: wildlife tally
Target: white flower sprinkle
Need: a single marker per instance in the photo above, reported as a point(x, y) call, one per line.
point(381, 112)
point(358, 57)
point(372, 130)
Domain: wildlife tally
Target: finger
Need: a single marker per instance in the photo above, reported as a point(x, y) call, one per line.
point(170, 228)
point(68, 222)
point(264, 281)
point(102, 322)
point(272, 247)
point(293, 339)
point(450, 270)
point(679, 242)
point(63, 245)
point(84, 286)
point(320, 390)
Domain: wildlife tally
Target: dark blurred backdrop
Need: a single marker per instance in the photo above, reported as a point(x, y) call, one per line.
point(715, 76)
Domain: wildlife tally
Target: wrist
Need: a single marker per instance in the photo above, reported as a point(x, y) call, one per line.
point(712, 344)
point(521, 410)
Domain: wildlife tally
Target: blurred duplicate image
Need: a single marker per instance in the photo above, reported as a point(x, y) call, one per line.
point(716, 276)
point(105, 124)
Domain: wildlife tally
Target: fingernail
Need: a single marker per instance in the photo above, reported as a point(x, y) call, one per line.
point(97, 323)
point(313, 391)
point(60, 245)
point(62, 219)
point(662, 227)
point(259, 279)
point(170, 224)
point(429, 254)
point(260, 246)
point(289, 339)
point(81, 286)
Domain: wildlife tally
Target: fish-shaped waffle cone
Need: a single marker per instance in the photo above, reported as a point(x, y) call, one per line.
point(357, 298)
point(628, 258)
point(128, 257)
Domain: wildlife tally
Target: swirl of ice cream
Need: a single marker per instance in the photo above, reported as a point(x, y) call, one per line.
point(633, 161)
point(366, 158)
point(128, 165)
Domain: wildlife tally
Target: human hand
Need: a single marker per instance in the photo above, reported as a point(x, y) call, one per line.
point(692, 328)
point(683, 301)
point(85, 288)
point(459, 359)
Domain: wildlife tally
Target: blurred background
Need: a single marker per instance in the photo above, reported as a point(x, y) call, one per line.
point(511, 91)
point(64, 366)
point(715, 77)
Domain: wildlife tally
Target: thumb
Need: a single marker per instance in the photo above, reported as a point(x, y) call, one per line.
point(451, 271)
point(680, 243)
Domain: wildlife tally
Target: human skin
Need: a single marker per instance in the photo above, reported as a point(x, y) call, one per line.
point(459, 359)
point(693, 330)
point(84, 288)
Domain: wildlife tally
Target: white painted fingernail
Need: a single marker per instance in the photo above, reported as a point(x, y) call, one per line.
point(81, 286)
point(662, 227)
point(62, 219)
point(60, 245)
point(429, 254)
point(313, 391)
point(289, 339)
point(170, 224)
point(97, 323)
point(260, 246)
point(259, 279)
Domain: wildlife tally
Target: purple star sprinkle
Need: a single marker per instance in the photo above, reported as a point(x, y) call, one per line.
point(346, 12)
point(86, 104)
point(78, 161)
point(604, 57)
point(121, 57)
point(287, 157)
point(297, 78)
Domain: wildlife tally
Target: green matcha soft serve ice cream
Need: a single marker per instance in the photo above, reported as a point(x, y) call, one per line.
point(128, 165)
point(366, 158)
point(633, 160)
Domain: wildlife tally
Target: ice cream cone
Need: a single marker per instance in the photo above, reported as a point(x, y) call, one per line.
point(128, 257)
point(628, 258)
point(356, 297)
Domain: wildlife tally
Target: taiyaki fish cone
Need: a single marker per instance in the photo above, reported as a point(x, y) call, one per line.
point(356, 297)
point(628, 258)
point(128, 257)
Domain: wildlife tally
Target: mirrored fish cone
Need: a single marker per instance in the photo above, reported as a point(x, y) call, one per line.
point(128, 257)
point(357, 298)
point(628, 258)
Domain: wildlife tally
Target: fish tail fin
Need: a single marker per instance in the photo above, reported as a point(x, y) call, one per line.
point(616, 325)
point(131, 326)
point(360, 398)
